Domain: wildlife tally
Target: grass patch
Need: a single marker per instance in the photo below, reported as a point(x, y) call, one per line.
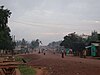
point(19, 59)
point(26, 70)
point(28, 59)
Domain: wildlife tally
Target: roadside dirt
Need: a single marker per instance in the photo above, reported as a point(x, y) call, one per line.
point(55, 65)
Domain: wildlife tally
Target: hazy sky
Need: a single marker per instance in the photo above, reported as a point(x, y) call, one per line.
point(51, 20)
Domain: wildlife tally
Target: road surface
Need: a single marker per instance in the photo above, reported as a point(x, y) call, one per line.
point(69, 65)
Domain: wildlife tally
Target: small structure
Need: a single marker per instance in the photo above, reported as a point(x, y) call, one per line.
point(8, 66)
point(97, 47)
point(93, 49)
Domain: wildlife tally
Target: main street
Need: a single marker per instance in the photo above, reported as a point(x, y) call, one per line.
point(53, 64)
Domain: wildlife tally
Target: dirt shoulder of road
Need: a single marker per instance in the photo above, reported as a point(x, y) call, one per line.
point(55, 65)
point(40, 70)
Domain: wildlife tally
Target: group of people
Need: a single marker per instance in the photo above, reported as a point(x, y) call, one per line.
point(42, 51)
point(69, 51)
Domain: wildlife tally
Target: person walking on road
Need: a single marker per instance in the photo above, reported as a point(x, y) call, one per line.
point(84, 53)
point(62, 52)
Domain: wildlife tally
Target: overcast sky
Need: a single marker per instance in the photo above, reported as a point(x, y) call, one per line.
point(51, 20)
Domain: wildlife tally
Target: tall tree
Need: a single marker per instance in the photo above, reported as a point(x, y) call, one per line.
point(74, 42)
point(99, 37)
point(94, 37)
point(35, 44)
point(23, 42)
point(6, 42)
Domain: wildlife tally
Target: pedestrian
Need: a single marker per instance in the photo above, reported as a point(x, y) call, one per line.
point(84, 53)
point(62, 53)
point(44, 53)
point(39, 51)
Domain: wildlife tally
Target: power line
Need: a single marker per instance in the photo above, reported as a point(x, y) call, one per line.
point(42, 24)
point(47, 25)
point(31, 24)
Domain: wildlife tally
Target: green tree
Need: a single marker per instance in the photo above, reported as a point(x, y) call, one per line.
point(99, 37)
point(6, 42)
point(35, 44)
point(73, 41)
point(23, 42)
point(94, 37)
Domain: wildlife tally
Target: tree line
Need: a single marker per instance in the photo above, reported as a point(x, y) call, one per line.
point(33, 44)
point(78, 43)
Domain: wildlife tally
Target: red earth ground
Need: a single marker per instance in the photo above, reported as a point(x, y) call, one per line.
point(53, 64)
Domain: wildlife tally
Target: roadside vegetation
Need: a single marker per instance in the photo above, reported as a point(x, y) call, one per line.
point(24, 69)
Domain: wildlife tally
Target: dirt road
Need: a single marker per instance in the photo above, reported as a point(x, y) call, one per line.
point(55, 65)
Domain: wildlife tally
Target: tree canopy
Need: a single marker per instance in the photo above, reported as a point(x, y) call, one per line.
point(35, 44)
point(73, 41)
point(5, 38)
point(77, 42)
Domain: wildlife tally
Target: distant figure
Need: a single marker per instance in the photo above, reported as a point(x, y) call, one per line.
point(62, 53)
point(65, 52)
point(70, 51)
point(81, 53)
point(44, 53)
point(39, 52)
point(53, 51)
point(84, 53)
